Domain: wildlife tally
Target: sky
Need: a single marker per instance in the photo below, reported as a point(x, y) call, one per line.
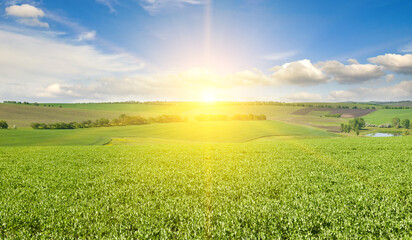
point(205, 50)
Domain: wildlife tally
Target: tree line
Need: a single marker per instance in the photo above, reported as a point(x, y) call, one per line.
point(125, 120)
point(396, 123)
point(122, 120)
point(337, 115)
point(273, 103)
point(359, 123)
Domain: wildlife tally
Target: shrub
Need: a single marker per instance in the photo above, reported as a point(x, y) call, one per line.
point(3, 124)
point(333, 115)
point(396, 122)
point(405, 123)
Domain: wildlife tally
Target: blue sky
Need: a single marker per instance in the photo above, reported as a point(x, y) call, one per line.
point(243, 50)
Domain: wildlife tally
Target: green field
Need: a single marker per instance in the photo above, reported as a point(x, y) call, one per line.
point(24, 115)
point(386, 115)
point(225, 131)
point(345, 188)
point(283, 178)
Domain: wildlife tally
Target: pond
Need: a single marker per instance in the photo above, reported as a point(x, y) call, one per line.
point(378, 134)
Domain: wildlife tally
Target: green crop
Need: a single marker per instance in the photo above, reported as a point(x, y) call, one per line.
point(341, 188)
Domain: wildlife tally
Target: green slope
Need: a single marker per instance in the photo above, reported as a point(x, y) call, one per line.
point(230, 131)
point(386, 115)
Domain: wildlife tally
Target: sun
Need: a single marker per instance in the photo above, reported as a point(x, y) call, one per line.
point(209, 96)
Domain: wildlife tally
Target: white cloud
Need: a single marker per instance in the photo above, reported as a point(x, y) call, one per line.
point(353, 61)
point(301, 73)
point(27, 15)
point(279, 56)
point(109, 3)
point(102, 89)
point(351, 74)
point(185, 85)
point(390, 78)
point(394, 62)
point(398, 92)
point(249, 78)
point(33, 22)
point(87, 36)
point(24, 11)
point(32, 62)
point(153, 6)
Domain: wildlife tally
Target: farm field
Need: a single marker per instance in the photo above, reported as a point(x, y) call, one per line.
point(205, 119)
point(286, 177)
point(225, 131)
point(24, 115)
point(340, 188)
point(385, 115)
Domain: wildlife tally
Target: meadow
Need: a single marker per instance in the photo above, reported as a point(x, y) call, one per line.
point(348, 188)
point(224, 131)
point(284, 178)
point(386, 115)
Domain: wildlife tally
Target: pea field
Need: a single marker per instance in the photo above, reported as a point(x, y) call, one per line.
point(292, 176)
point(340, 188)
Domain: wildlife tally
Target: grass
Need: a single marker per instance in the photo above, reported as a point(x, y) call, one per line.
point(386, 115)
point(225, 131)
point(24, 115)
point(345, 188)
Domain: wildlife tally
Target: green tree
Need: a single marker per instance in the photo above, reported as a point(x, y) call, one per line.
point(396, 122)
point(405, 123)
point(3, 124)
point(360, 122)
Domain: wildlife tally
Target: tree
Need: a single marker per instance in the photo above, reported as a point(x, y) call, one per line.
point(360, 122)
point(396, 122)
point(3, 124)
point(405, 123)
point(357, 130)
point(346, 128)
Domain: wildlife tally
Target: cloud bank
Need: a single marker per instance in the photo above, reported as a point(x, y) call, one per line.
point(45, 67)
point(394, 62)
point(38, 61)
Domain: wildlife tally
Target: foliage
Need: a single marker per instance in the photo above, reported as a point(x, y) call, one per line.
point(396, 122)
point(345, 128)
point(194, 131)
point(405, 123)
point(296, 189)
point(3, 124)
point(357, 123)
point(125, 120)
point(333, 115)
point(383, 116)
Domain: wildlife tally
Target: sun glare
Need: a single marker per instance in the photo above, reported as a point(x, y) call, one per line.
point(209, 96)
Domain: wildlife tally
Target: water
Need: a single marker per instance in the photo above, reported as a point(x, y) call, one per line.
point(383, 134)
